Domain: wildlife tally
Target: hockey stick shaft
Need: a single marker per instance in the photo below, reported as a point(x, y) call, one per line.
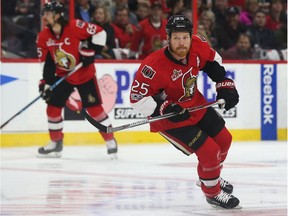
point(105, 129)
point(37, 98)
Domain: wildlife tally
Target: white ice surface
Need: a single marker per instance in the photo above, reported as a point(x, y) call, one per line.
point(146, 180)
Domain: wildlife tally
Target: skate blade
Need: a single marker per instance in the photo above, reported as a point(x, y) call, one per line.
point(113, 156)
point(219, 207)
point(50, 155)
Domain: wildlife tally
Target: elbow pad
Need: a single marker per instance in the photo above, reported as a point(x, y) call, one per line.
point(49, 70)
point(146, 106)
point(215, 71)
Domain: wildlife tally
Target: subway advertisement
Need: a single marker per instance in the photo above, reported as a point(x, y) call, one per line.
point(260, 115)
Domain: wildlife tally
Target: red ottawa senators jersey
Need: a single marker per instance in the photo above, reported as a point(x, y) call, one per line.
point(152, 37)
point(123, 38)
point(65, 49)
point(159, 71)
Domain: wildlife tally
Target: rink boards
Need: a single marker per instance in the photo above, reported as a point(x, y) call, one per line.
point(260, 115)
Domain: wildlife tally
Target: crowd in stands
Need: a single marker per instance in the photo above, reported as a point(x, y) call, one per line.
point(237, 29)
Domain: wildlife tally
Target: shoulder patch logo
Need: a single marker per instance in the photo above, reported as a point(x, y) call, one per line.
point(80, 23)
point(148, 72)
point(176, 74)
point(202, 38)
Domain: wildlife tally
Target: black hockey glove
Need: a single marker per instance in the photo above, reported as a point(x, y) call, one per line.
point(44, 90)
point(226, 90)
point(87, 56)
point(171, 107)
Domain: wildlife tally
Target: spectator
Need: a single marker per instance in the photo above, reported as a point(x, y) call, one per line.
point(84, 10)
point(260, 35)
point(102, 18)
point(166, 9)
point(219, 9)
point(123, 3)
point(188, 13)
point(123, 30)
point(264, 5)
point(247, 15)
point(201, 7)
point(8, 9)
point(24, 14)
point(206, 26)
point(237, 3)
point(241, 51)
point(281, 33)
point(228, 34)
point(24, 7)
point(106, 3)
point(143, 11)
point(275, 13)
point(150, 33)
point(176, 7)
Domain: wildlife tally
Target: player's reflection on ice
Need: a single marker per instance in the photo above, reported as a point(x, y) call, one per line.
point(133, 194)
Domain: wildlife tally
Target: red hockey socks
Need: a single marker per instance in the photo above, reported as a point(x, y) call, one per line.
point(223, 139)
point(98, 113)
point(209, 167)
point(55, 123)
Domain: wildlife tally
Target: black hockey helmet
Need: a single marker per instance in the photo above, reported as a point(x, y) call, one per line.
point(178, 23)
point(54, 6)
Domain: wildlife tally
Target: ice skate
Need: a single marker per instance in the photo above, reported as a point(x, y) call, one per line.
point(112, 149)
point(52, 150)
point(224, 200)
point(224, 185)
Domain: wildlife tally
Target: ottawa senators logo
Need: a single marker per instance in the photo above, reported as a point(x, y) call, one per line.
point(156, 42)
point(91, 99)
point(64, 60)
point(189, 83)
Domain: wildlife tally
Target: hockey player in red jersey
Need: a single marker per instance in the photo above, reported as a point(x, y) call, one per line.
point(61, 46)
point(150, 34)
point(166, 81)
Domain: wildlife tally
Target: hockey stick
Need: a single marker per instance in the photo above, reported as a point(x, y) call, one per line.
point(105, 129)
point(51, 89)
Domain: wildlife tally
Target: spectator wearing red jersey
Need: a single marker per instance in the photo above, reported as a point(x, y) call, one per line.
point(150, 33)
point(123, 30)
point(237, 3)
point(273, 19)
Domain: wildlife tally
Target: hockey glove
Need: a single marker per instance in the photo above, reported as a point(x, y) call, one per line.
point(44, 90)
point(87, 56)
point(226, 90)
point(171, 107)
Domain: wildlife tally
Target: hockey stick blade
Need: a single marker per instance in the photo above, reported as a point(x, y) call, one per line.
point(37, 98)
point(110, 129)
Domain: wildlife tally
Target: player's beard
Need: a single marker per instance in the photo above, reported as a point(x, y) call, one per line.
point(181, 51)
